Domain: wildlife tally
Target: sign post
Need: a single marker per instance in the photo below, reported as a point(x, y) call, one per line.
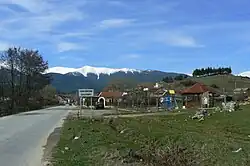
point(85, 93)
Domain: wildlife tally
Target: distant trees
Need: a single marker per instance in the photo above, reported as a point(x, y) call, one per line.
point(180, 77)
point(21, 79)
point(168, 79)
point(176, 78)
point(48, 94)
point(212, 71)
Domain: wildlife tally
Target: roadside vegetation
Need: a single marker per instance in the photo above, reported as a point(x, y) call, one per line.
point(222, 139)
point(23, 86)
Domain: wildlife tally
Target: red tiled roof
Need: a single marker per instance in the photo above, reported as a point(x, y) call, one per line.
point(198, 88)
point(111, 94)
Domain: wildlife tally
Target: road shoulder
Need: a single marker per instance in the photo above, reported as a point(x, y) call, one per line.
point(52, 141)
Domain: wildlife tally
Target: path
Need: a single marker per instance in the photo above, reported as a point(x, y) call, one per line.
point(23, 136)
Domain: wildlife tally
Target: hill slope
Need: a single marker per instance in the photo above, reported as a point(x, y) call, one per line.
point(228, 82)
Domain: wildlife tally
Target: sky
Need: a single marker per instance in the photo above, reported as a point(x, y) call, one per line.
point(177, 35)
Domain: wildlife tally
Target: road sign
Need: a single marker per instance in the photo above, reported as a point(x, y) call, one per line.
point(86, 92)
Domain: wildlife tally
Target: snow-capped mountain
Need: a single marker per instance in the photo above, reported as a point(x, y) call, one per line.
point(245, 74)
point(71, 79)
point(87, 70)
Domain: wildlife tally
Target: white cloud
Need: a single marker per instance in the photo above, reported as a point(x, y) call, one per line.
point(128, 57)
point(38, 19)
point(29, 5)
point(116, 23)
point(72, 58)
point(63, 57)
point(133, 56)
point(177, 39)
point(75, 34)
point(182, 41)
point(67, 46)
point(117, 3)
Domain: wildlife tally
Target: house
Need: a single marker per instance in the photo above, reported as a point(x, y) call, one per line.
point(197, 93)
point(110, 98)
point(245, 91)
point(241, 93)
point(158, 85)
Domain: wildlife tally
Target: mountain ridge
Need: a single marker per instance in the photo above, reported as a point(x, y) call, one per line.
point(70, 82)
point(71, 79)
point(85, 70)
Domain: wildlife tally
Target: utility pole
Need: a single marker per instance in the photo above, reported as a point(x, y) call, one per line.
point(80, 110)
point(148, 99)
point(225, 97)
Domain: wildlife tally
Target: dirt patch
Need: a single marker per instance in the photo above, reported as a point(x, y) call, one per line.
point(48, 148)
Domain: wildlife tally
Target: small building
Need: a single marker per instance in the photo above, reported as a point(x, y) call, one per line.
point(110, 98)
point(241, 93)
point(158, 85)
point(245, 91)
point(199, 94)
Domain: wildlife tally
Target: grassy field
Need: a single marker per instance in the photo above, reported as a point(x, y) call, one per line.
point(157, 141)
point(225, 81)
point(222, 81)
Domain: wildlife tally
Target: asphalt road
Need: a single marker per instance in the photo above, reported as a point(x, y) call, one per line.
point(23, 136)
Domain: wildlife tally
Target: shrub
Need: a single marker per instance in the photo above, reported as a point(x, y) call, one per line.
point(215, 86)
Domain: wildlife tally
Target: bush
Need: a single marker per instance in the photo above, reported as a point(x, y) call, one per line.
point(239, 97)
point(215, 86)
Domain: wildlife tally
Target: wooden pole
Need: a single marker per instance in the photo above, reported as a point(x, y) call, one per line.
point(186, 101)
point(157, 104)
point(80, 110)
point(148, 99)
point(91, 103)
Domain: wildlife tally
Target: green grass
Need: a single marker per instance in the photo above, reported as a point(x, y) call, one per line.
point(222, 81)
point(225, 81)
point(161, 140)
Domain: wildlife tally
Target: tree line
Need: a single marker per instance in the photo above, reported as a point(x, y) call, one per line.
point(212, 71)
point(23, 86)
point(169, 79)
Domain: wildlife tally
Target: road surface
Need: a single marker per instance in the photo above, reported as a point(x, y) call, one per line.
point(23, 136)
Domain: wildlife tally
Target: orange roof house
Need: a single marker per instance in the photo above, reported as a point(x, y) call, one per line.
point(110, 98)
point(194, 92)
point(198, 88)
point(110, 94)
